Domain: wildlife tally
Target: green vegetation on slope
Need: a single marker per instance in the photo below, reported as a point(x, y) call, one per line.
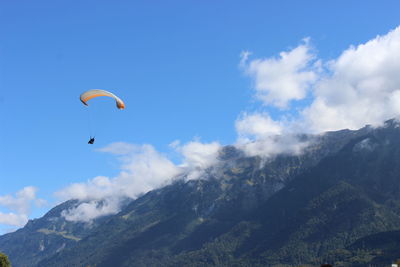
point(4, 262)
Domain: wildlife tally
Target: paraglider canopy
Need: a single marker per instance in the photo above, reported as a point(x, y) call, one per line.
point(86, 96)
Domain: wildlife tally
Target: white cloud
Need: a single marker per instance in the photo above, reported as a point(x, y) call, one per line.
point(261, 135)
point(256, 126)
point(278, 81)
point(96, 188)
point(197, 157)
point(244, 56)
point(20, 206)
point(273, 145)
point(361, 86)
point(143, 169)
point(87, 211)
point(13, 219)
point(119, 148)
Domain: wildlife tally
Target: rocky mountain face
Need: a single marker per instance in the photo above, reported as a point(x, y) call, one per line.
point(329, 204)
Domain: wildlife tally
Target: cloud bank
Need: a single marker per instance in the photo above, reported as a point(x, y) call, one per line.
point(360, 87)
point(142, 169)
point(363, 87)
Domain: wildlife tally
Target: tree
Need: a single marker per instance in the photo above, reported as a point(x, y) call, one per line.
point(4, 262)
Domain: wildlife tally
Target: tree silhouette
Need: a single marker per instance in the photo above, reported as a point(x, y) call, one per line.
point(4, 262)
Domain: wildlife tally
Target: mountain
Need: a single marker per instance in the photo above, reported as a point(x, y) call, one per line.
point(338, 202)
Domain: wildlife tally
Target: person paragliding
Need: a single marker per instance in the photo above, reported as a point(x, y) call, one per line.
point(93, 93)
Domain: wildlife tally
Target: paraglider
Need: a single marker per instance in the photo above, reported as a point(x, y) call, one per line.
point(93, 93)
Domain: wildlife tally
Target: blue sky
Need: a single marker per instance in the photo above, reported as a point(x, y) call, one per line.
point(176, 64)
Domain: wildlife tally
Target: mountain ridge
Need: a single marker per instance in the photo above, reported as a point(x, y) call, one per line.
point(290, 209)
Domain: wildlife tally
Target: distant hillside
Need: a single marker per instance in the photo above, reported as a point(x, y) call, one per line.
point(339, 202)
